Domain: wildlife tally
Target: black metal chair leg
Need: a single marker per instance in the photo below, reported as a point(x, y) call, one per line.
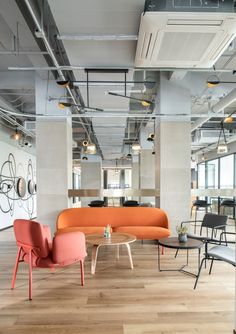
point(199, 272)
point(195, 223)
point(176, 253)
point(211, 266)
point(205, 253)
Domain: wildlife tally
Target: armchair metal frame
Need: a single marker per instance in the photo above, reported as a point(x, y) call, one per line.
point(210, 222)
point(220, 252)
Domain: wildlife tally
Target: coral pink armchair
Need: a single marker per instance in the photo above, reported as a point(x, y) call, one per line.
point(37, 249)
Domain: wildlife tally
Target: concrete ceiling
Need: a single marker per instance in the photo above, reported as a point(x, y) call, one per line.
point(103, 17)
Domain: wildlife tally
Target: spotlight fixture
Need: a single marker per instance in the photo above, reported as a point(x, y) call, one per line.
point(222, 148)
point(128, 156)
point(63, 82)
point(214, 80)
point(16, 136)
point(151, 137)
point(85, 143)
point(63, 105)
point(145, 103)
point(228, 119)
point(153, 152)
point(136, 147)
point(84, 158)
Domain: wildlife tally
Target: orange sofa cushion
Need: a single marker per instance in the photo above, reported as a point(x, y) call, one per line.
point(150, 232)
point(143, 222)
point(84, 229)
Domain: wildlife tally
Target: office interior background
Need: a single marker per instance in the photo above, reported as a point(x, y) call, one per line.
point(117, 101)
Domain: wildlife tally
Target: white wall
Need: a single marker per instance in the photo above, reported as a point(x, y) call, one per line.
point(16, 207)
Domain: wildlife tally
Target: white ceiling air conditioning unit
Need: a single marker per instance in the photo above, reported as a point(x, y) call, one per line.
point(183, 39)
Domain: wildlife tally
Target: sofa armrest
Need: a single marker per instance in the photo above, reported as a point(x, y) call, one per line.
point(69, 247)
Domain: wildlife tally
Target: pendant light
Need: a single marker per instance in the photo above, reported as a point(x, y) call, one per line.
point(16, 135)
point(222, 148)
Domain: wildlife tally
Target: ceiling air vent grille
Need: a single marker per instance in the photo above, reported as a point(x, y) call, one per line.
point(188, 46)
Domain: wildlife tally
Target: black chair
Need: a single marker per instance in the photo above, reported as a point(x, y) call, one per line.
point(130, 203)
point(200, 204)
point(209, 227)
point(96, 204)
point(220, 252)
point(228, 203)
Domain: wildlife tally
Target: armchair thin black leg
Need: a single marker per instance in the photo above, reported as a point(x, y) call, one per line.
point(199, 272)
point(206, 248)
point(195, 223)
point(211, 265)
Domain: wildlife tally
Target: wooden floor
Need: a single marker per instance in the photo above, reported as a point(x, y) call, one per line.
point(116, 300)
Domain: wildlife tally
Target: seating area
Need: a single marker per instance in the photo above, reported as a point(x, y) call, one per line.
point(105, 293)
point(117, 167)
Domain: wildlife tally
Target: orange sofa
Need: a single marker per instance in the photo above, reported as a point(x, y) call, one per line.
point(143, 222)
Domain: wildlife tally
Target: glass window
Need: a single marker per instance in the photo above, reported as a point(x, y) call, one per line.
point(212, 174)
point(227, 172)
point(201, 176)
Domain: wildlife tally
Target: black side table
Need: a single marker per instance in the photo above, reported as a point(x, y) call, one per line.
point(174, 243)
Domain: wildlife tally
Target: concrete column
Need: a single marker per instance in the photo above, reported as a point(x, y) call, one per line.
point(91, 177)
point(54, 154)
point(135, 175)
point(147, 173)
point(147, 163)
point(173, 151)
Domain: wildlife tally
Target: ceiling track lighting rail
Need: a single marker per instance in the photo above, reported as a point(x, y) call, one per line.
point(214, 80)
point(68, 105)
point(144, 102)
point(68, 82)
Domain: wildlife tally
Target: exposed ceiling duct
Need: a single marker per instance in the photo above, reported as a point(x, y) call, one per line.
point(110, 136)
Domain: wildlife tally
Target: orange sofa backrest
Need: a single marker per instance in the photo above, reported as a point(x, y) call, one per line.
point(120, 216)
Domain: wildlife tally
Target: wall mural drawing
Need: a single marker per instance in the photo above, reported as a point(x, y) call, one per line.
point(17, 186)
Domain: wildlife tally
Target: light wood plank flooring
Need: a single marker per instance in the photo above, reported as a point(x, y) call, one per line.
point(116, 300)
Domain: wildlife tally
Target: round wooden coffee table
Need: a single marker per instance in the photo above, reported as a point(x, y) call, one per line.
point(116, 239)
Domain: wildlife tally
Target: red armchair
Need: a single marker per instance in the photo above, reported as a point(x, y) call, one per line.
point(37, 249)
